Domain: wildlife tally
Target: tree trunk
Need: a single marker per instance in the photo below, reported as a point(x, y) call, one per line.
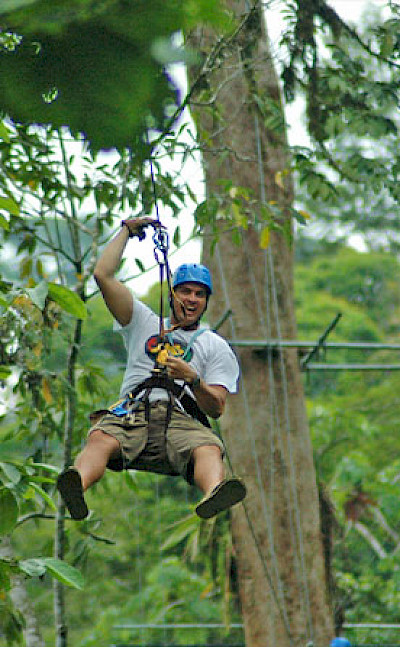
point(277, 536)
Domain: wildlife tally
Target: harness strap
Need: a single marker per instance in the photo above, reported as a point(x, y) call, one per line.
point(174, 390)
point(192, 339)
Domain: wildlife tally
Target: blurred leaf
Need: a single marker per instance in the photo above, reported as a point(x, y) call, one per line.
point(4, 132)
point(8, 511)
point(67, 300)
point(11, 472)
point(46, 391)
point(140, 264)
point(64, 572)
point(4, 224)
point(32, 567)
point(265, 238)
point(38, 294)
point(9, 204)
point(96, 67)
point(43, 494)
point(5, 372)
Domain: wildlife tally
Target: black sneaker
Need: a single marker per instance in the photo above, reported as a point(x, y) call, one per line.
point(69, 485)
point(222, 497)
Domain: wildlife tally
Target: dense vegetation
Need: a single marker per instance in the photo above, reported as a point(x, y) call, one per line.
point(144, 557)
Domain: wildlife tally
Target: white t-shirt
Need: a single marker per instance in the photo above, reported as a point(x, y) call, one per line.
point(209, 354)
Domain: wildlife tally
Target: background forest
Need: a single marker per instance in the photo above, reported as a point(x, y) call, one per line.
point(143, 558)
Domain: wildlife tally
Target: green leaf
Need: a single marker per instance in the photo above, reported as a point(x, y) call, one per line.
point(140, 264)
point(47, 467)
point(4, 224)
point(9, 448)
point(9, 204)
point(4, 132)
point(5, 573)
point(177, 237)
point(43, 494)
point(64, 572)
point(9, 511)
point(182, 530)
point(67, 300)
point(38, 294)
point(5, 372)
point(32, 567)
point(12, 473)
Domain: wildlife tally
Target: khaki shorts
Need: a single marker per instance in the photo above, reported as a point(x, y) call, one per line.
point(146, 446)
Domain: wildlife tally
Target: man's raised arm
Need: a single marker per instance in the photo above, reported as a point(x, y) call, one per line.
point(116, 295)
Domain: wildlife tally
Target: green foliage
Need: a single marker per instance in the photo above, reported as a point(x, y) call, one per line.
point(9, 511)
point(348, 178)
point(364, 280)
point(96, 67)
point(354, 418)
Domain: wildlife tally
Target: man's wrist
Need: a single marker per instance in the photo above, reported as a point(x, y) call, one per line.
point(130, 232)
point(195, 382)
point(139, 232)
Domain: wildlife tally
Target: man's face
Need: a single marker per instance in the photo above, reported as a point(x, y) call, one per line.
point(190, 302)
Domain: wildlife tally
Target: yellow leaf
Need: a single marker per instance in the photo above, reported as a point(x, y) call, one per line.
point(239, 216)
point(37, 350)
point(206, 592)
point(46, 391)
point(279, 180)
point(265, 238)
point(305, 214)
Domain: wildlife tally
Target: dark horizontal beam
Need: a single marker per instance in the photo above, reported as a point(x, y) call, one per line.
point(296, 343)
point(352, 367)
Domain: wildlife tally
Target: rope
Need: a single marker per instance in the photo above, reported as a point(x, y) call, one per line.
point(292, 472)
point(294, 509)
point(270, 272)
point(270, 265)
point(161, 249)
point(278, 596)
point(268, 329)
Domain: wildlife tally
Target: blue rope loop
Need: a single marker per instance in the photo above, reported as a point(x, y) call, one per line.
point(161, 245)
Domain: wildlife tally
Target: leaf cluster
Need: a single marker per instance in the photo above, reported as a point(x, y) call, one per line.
point(97, 67)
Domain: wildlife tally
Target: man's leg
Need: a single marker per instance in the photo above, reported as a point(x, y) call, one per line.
point(89, 467)
point(208, 469)
point(220, 494)
point(92, 461)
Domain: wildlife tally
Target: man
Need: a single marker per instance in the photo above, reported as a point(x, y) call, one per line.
point(150, 428)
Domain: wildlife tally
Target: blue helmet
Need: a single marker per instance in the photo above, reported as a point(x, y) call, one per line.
point(192, 273)
point(340, 642)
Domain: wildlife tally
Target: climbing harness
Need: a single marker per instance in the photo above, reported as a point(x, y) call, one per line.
point(159, 379)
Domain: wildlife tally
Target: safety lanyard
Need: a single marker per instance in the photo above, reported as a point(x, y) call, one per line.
point(191, 341)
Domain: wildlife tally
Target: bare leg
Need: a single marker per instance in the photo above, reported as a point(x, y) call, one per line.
point(209, 476)
point(91, 463)
point(208, 467)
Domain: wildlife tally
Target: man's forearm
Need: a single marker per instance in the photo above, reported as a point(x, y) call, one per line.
point(110, 259)
point(210, 399)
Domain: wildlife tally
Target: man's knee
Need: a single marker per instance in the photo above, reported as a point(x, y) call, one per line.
point(101, 441)
point(204, 451)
